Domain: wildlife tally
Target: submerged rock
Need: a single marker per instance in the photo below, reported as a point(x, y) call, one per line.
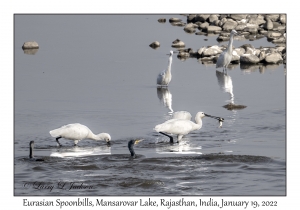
point(161, 20)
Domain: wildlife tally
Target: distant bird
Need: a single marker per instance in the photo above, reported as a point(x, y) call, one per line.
point(31, 156)
point(225, 57)
point(77, 132)
point(131, 143)
point(181, 127)
point(164, 78)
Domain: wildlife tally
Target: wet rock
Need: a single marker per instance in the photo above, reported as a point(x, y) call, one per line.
point(273, 17)
point(155, 45)
point(214, 50)
point(201, 50)
point(212, 29)
point(178, 24)
point(245, 46)
point(249, 59)
point(256, 20)
point(276, 25)
point(178, 43)
point(183, 54)
point(274, 35)
point(203, 25)
point(229, 25)
point(240, 51)
point(235, 57)
point(273, 58)
point(212, 18)
point(171, 20)
point(237, 17)
point(232, 106)
point(205, 59)
point(30, 45)
point(191, 18)
point(161, 20)
point(201, 18)
point(269, 24)
point(190, 28)
point(282, 18)
point(251, 28)
point(241, 26)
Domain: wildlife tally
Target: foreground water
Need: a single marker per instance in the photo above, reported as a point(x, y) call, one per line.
point(98, 70)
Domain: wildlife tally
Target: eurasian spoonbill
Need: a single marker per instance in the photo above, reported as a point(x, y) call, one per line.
point(77, 132)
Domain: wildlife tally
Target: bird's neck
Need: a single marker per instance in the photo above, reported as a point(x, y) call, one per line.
point(229, 48)
point(93, 136)
point(198, 120)
point(30, 153)
point(169, 63)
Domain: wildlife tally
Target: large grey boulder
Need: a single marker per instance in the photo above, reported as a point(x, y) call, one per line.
point(249, 59)
point(229, 25)
point(273, 58)
point(238, 16)
point(212, 29)
point(211, 51)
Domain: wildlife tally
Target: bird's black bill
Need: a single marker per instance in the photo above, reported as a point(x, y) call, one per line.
point(217, 118)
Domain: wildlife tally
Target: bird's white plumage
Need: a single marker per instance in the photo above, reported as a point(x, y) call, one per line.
point(77, 132)
point(164, 78)
point(180, 127)
point(183, 115)
point(225, 57)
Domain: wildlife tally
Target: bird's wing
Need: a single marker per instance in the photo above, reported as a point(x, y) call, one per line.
point(74, 131)
point(220, 61)
point(175, 126)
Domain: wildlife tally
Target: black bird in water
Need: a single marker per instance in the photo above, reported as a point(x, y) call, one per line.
point(31, 146)
point(131, 143)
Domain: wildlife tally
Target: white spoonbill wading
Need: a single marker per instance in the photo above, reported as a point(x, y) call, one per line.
point(181, 127)
point(77, 132)
point(164, 78)
point(225, 57)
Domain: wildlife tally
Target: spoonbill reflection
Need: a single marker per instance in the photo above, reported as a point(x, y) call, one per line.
point(181, 127)
point(165, 96)
point(81, 151)
point(164, 78)
point(225, 57)
point(77, 132)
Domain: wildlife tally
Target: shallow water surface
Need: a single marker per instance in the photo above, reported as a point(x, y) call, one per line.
point(99, 70)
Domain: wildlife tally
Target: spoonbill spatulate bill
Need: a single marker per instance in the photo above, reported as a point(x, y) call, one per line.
point(181, 127)
point(78, 132)
point(164, 78)
point(226, 56)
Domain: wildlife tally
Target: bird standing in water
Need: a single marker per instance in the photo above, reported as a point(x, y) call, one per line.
point(164, 78)
point(181, 127)
point(226, 56)
point(77, 132)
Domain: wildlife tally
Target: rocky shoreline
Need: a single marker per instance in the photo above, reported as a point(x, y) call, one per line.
point(249, 26)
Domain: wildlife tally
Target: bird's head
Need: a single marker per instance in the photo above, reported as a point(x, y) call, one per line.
point(104, 136)
point(234, 32)
point(131, 143)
